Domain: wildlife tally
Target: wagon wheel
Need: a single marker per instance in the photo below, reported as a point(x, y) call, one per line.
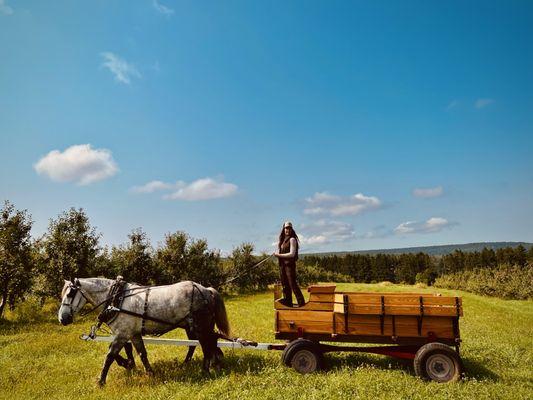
point(438, 362)
point(304, 356)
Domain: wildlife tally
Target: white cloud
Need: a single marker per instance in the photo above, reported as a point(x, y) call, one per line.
point(200, 189)
point(204, 189)
point(154, 186)
point(428, 192)
point(5, 9)
point(482, 103)
point(313, 240)
point(122, 70)
point(323, 203)
point(432, 225)
point(160, 8)
point(79, 163)
point(326, 231)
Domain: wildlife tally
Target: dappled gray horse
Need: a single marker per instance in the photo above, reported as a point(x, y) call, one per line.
point(149, 310)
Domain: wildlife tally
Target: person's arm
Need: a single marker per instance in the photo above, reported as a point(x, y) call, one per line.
point(291, 253)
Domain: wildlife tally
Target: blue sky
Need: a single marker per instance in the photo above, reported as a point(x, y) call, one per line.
point(368, 124)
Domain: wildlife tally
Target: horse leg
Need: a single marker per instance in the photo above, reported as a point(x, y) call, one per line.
point(128, 363)
point(218, 355)
point(208, 341)
point(114, 349)
point(207, 350)
point(129, 353)
point(190, 336)
point(141, 350)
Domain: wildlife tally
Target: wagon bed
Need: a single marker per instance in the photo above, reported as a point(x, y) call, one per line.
point(387, 318)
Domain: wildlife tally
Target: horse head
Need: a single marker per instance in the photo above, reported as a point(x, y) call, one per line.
point(73, 300)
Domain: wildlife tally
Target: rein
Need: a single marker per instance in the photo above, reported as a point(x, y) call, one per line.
point(248, 270)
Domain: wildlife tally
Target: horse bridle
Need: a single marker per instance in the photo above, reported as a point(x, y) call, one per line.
point(74, 287)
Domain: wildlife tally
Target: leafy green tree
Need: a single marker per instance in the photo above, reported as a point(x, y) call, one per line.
point(182, 258)
point(69, 249)
point(134, 261)
point(251, 277)
point(16, 264)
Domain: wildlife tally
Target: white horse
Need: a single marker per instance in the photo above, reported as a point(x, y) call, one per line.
point(149, 310)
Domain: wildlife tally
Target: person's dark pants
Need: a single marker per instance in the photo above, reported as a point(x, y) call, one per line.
point(288, 281)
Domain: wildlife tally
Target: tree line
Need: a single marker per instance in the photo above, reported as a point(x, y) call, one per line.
point(420, 267)
point(71, 248)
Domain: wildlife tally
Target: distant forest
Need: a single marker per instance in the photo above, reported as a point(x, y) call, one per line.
point(416, 267)
point(432, 250)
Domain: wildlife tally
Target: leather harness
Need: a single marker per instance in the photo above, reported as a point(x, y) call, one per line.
point(117, 294)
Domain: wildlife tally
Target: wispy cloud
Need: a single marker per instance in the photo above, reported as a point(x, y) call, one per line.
point(451, 105)
point(79, 163)
point(428, 192)
point(120, 68)
point(5, 9)
point(482, 103)
point(200, 189)
point(204, 189)
point(432, 225)
point(325, 231)
point(154, 186)
point(378, 232)
point(162, 9)
point(323, 203)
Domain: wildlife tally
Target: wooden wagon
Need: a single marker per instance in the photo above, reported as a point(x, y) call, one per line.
point(420, 327)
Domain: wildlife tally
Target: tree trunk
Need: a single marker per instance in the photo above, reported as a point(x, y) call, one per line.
point(3, 302)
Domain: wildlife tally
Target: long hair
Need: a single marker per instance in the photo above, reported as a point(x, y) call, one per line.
point(282, 236)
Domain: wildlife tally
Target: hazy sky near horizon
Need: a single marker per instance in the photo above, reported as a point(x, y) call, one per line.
point(370, 125)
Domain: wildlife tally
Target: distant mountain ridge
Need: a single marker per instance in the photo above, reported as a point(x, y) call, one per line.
point(431, 250)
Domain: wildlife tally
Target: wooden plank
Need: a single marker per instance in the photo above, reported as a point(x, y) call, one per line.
point(322, 297)
point(309, 321)
point(413, 299)
point(443, 311)
point(370, 325)
point(321, 289)
point(338, 308)
point(395, 294)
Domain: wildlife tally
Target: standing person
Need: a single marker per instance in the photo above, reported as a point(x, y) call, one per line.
point(287, 255)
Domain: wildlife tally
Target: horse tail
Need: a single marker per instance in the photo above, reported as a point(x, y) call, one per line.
point(221, 317)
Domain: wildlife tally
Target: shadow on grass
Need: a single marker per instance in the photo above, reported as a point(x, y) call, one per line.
point(8, 327)
point(476, 370)
point(471, 370)
point(176, 371)
point(353, 360)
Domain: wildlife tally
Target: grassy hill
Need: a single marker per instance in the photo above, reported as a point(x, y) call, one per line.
point(433, 250)
point(43, 360)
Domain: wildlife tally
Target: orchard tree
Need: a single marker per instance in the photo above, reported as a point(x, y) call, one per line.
point(134, 260)
point(69, 249)
point(249, 276)
point(182, 258)
point(16, 264)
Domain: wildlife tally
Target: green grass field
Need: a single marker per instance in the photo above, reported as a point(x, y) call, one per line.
point(47, 361)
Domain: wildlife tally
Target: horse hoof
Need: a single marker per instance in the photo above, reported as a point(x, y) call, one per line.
point(130, 365)
point(101, 383)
